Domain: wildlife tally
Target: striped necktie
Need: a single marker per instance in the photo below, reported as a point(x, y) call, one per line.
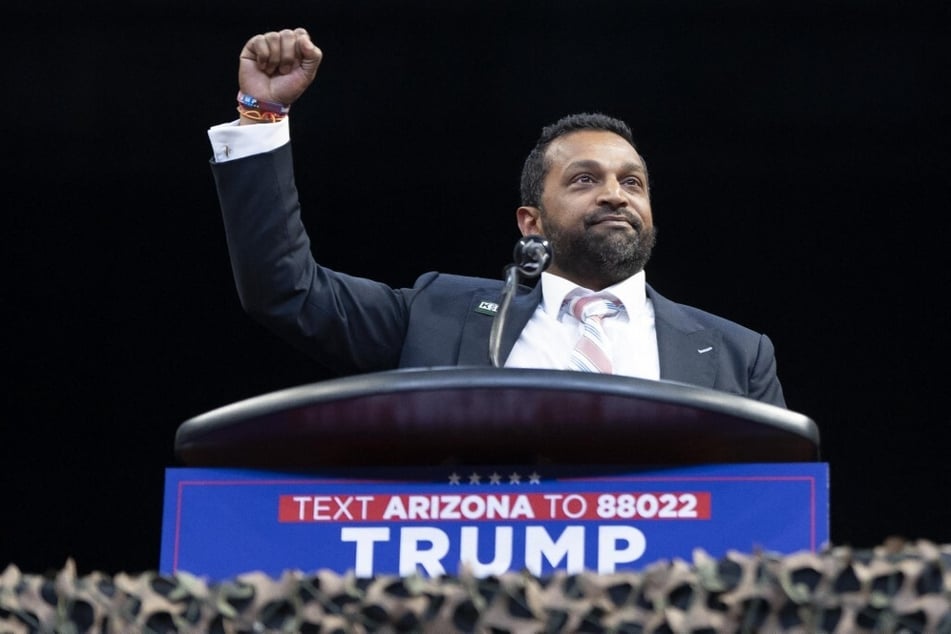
point(590, 353)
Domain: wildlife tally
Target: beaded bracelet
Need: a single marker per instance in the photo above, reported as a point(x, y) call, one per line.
point(258, 115)
point(264, 106)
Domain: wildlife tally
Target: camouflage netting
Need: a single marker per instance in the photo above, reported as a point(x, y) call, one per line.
point(896, 587)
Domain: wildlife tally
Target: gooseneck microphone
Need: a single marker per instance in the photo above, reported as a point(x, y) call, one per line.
point(532, 255)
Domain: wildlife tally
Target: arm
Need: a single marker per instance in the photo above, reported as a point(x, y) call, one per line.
point(764, 382)
point(346, 323)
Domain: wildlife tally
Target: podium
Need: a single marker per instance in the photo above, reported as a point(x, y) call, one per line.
point(494, 416)
point(418, 470)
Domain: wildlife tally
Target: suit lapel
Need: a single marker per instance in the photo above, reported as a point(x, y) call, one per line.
point(474, 348)
point(687, 351)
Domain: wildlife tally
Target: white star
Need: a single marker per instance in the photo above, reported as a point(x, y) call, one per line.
point(515, 478)
point(474, 478)
point(453, 478)
point(495, 478)
point(534, 478)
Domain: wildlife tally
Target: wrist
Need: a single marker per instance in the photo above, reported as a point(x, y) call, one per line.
point(253, 110)
point(250, 116)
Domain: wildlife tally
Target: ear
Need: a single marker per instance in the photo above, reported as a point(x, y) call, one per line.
point(529, 221)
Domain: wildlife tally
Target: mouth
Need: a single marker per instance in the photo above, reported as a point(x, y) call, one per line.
point(615, 219)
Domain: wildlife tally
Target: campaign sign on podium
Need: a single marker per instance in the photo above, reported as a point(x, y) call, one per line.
point(425, 471)
point(221, 522)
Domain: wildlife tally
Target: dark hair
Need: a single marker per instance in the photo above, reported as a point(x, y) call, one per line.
point(536, 166)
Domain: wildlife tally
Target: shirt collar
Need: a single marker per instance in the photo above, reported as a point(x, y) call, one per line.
point(632, 292)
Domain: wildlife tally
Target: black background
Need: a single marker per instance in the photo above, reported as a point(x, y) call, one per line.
point(799, 162)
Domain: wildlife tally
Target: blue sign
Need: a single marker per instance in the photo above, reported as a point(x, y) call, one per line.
point(219, 523)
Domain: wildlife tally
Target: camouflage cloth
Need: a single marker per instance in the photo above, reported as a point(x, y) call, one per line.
point(897, 587)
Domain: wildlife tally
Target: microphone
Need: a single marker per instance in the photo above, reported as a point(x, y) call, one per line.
point(531, 256)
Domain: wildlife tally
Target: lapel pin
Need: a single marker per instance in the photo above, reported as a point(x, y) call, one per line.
point(487, 308)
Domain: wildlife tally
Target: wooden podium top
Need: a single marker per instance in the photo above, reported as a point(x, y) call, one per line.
point(492, 416)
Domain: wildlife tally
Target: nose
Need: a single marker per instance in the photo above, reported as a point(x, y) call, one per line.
point(612, 194)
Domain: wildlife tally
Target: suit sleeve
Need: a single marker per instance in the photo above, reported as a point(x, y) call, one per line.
point(346, 323)
point(764, 382)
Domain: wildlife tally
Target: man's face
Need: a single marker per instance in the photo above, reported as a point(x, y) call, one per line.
point(595, 209)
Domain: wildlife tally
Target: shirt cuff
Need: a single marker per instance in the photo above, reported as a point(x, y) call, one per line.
point(230, 141)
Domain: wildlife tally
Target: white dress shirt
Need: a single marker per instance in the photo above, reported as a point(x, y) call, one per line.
point(551, 332)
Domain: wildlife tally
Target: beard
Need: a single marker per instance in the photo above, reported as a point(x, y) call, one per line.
point(608, 256)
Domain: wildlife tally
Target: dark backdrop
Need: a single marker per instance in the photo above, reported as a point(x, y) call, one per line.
point(799, 160)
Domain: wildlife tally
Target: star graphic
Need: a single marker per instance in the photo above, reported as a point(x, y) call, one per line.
point(495, 478)
point(474, 478)
point(515, 478)
point(454, 478)
point(534, 478)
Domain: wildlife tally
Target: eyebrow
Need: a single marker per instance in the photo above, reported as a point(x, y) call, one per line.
point(589, 164)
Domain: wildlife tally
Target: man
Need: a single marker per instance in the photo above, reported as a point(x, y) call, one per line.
point(584, 188)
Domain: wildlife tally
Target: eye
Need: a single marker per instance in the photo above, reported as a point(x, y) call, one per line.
point(632, 181)
point(583, 178)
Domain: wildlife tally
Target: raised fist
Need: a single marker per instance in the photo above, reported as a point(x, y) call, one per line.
point(278, 66)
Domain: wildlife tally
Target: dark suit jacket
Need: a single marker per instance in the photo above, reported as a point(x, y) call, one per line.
point(355, 325)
